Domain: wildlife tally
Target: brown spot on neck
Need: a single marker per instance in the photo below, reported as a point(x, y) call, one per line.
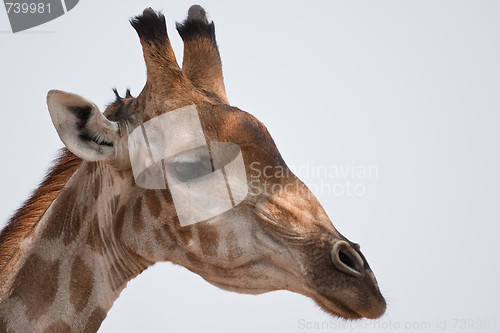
point(95, 320)
point(208, 238)
point(153, 202)
point(94, 238)
point(57, 327)
point(81, 284)
point(119, 221)
point(97, 188)
point(186, 234)
point(138, 222)
point(66, 218)
point(36, 285)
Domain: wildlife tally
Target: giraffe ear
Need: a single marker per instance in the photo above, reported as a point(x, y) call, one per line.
point(85, 131)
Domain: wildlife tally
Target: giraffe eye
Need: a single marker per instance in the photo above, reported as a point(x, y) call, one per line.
point(187, 170)
point(188, 167)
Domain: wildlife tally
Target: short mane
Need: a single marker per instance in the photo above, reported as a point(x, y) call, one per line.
point(26, 217)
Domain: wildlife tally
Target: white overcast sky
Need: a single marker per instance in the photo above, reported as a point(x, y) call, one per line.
point(408, 88)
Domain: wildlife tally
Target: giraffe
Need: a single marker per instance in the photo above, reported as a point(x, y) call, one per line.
point(88, 229)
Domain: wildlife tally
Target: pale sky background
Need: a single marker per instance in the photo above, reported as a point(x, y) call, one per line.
point(408, 88)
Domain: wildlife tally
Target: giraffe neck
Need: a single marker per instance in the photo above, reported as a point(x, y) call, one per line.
point(68, 271)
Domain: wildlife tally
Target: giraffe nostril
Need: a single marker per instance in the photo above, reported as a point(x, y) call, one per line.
point(346, 259)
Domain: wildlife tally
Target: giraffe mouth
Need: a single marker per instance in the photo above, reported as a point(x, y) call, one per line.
point(350, 303)
point(336, 307)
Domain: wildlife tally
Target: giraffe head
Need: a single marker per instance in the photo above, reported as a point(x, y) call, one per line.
point(275, 236)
